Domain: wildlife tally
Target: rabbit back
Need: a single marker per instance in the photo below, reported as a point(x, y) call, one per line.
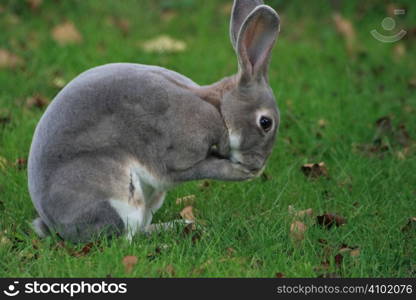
point(108, 123)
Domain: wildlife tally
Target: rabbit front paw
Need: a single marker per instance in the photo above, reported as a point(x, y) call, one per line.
point(239, 172)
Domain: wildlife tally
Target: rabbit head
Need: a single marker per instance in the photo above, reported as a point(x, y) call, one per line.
point(249, 108)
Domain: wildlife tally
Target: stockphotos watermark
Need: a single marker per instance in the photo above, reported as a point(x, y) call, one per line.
point(389, 24)
point(71, 289)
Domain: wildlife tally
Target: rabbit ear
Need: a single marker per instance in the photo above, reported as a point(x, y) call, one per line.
point(241, 9)
point(255, 41)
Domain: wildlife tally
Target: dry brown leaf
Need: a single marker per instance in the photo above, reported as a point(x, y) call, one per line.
point(129, 262)
point(21, 163)
point(187, 213)
point(168, 15)
point(3, 163)
point(5, 120)
point(305, 213)
point(186, 200)
point(327, 220)
point(410, 227)
point(169, 270)
point(226, 8)
point(4, 239)
point(279, 275)
point(122, 24)
point(297, 230)
point(338, 259)
point(204, 184)
point(84, 251)
point(37, 101)
point(315, 170)
point(300, 213)
point(66, 34)
point(58, 82)
point(355, 252)
point(9, 60)
point(265, 176)
point(163, 44)
point(322, 123)
point(34, 4)
point(230, 251)
point(412, 83)
point(399, 51)
point(346, 29)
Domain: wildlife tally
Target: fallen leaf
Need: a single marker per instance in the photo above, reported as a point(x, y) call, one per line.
point(322, 241)
point(58, 82)
point(9, 60)
point(315, 170)
point(355, 252)
point(402, 136)
point(301, 213)
point(191, 230)
point(305, 213)
point(37, 101)
point(187, 213)
point(279, 275)
point(169, 270)
point(297, 230)
point(230, 251)
point(34, 4)
point(168, 15)
point(157, 252)
point(399, 51)
point(5, 120)
point(201, 269)
point(84, 251)
point(187, 200)
point(66, 34)
point(204, 184)
point(257, 263)
point(412, 83)
point(384, 125)
point(327, 220)
point(163, 44)
point(21, 163)
point(226, 8)
point(346, 29)
point(36, 244)
point(410, 227)
point(129, 262)
point(122, 24)
point(266, 176)
point(322, 123)
point(338, 259)
point(4, 239)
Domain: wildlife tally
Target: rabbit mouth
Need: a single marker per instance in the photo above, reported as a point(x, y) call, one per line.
point(251, 163)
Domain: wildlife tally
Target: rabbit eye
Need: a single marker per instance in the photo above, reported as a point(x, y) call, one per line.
point(266, 123)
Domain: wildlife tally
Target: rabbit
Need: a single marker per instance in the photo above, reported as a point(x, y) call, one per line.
point(118, 136)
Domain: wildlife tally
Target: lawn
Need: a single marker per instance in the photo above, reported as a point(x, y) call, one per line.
point(346, 99)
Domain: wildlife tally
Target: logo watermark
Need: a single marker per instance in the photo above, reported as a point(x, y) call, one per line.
point(11, 289)
point(70, 289)
point(389, 24)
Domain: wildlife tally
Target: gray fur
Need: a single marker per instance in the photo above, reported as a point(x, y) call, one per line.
point(113, 116)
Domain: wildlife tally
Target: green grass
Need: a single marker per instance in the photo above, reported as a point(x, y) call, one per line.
point(313, 77)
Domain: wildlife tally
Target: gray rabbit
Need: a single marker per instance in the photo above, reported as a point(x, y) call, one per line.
point(118, 136)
